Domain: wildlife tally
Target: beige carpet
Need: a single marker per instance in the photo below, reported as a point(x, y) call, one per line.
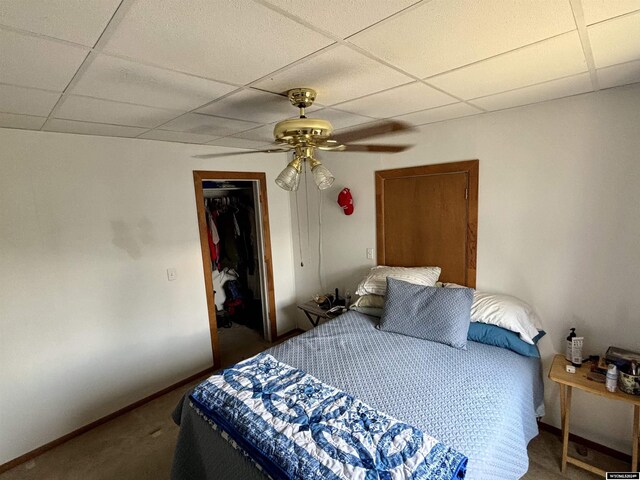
point(139, 445)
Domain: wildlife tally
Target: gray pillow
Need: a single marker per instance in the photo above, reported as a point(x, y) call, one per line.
point(437, 314)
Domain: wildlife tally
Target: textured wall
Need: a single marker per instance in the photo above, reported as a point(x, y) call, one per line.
point(88, 321)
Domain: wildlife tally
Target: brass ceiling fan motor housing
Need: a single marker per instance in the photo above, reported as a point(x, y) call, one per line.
point(302, 131)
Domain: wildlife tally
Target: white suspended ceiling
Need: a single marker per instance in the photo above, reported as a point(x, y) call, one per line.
point(215, 71)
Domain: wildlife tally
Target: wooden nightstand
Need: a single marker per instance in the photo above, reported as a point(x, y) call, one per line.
point(579, 380)
point(311, 309)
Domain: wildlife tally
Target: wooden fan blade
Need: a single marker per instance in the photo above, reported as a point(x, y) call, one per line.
point(374, 129)
point(377, 148)
point(244, 152)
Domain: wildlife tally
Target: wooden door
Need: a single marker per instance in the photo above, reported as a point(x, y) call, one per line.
point(427, 216)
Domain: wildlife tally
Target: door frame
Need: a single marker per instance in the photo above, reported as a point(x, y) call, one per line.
point(260, 177)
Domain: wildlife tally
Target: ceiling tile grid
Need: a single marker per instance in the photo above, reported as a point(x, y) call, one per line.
point(598, 10)
point(30, 61)
point(115, 113)
point(547, 60)
point(181, 137)
point(541, 92)
point(122, 80)
point(263, 134)
point(397, 101)
point(354, 15)
point(439, 114)
point(27, 101)
point(236, 142)
point(338, 75)
point(234, 41)
point(442, 35)
point(86, 128)
point(208, 125)
point(615, 41)
point(251, 105)
point(340, 119)
point(25, 122)
point(78, 21)
point(197, 71)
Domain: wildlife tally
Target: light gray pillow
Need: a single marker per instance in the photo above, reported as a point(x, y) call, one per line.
point(437, 314)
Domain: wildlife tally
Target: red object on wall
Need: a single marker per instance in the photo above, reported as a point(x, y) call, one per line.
point(345, 200)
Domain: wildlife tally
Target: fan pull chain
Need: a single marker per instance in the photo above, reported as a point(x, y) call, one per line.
point(320, 240)
point(306, 197)
point(298, 222)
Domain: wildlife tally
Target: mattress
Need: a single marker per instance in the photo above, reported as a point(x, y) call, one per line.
point(482, 401)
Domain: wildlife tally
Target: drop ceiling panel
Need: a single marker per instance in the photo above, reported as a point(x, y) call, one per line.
point(36, 62)
point(78, 21)
point(252, 105)
point(340, 119)
point(262, 134)
point(113, 78)
point(554, 58)
point(619, 74)
point(27, 101)
point(563, 87)
point(104, 111)
point(599, 10)
point(398, 101)
point(235, 142)
point(615, 41)
point(208, 125)
point(182, 137)
point(26, 122)
point(236, 41)
point(338, 74)
point(342, 18)
point(446, 34)
point(72, 126)
point(439, 114)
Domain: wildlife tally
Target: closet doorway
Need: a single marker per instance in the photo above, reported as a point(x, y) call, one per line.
point(233, 220)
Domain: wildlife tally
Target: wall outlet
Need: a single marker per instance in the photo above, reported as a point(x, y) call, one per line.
point(171, 274)
point(370, 253)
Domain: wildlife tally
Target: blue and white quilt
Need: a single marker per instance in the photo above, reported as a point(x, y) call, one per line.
point(294, 426)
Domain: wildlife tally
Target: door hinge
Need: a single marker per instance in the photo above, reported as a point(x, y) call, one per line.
point(466, 194)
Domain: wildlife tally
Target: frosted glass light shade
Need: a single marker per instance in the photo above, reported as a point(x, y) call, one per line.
point(322, 176)
point(288, 179)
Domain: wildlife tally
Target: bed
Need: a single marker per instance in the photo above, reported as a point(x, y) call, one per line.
point(482, 401)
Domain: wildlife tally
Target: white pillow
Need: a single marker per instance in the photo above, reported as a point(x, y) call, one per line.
point(375, 301)
point(376, 281)
point(506, 312)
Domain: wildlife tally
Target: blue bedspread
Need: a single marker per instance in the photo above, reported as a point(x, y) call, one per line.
point(482, 401)
point(296, 427)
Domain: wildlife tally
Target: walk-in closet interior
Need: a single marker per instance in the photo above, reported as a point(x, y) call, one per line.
point(234, 235)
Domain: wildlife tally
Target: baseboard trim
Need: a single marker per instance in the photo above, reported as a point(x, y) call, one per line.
point(290, 334)
point(59, 441)
point(587, 443)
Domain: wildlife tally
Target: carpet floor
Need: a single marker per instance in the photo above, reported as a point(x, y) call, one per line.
point(139, 445)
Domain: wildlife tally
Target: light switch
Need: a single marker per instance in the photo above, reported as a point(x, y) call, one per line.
point(171, 274)
point(370, 253)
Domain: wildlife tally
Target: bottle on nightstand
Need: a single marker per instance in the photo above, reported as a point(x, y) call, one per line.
point(568, 352)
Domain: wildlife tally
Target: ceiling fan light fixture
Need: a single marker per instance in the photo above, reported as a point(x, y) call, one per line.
point(321, 174)
point(289, 178)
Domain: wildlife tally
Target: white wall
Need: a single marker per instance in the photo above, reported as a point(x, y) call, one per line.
point(559, 224)
point(88, 321)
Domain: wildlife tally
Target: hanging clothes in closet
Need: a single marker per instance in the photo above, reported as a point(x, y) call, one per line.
point(231, 233)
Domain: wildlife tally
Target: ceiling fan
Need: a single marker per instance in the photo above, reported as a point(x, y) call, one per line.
point(304, 135)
